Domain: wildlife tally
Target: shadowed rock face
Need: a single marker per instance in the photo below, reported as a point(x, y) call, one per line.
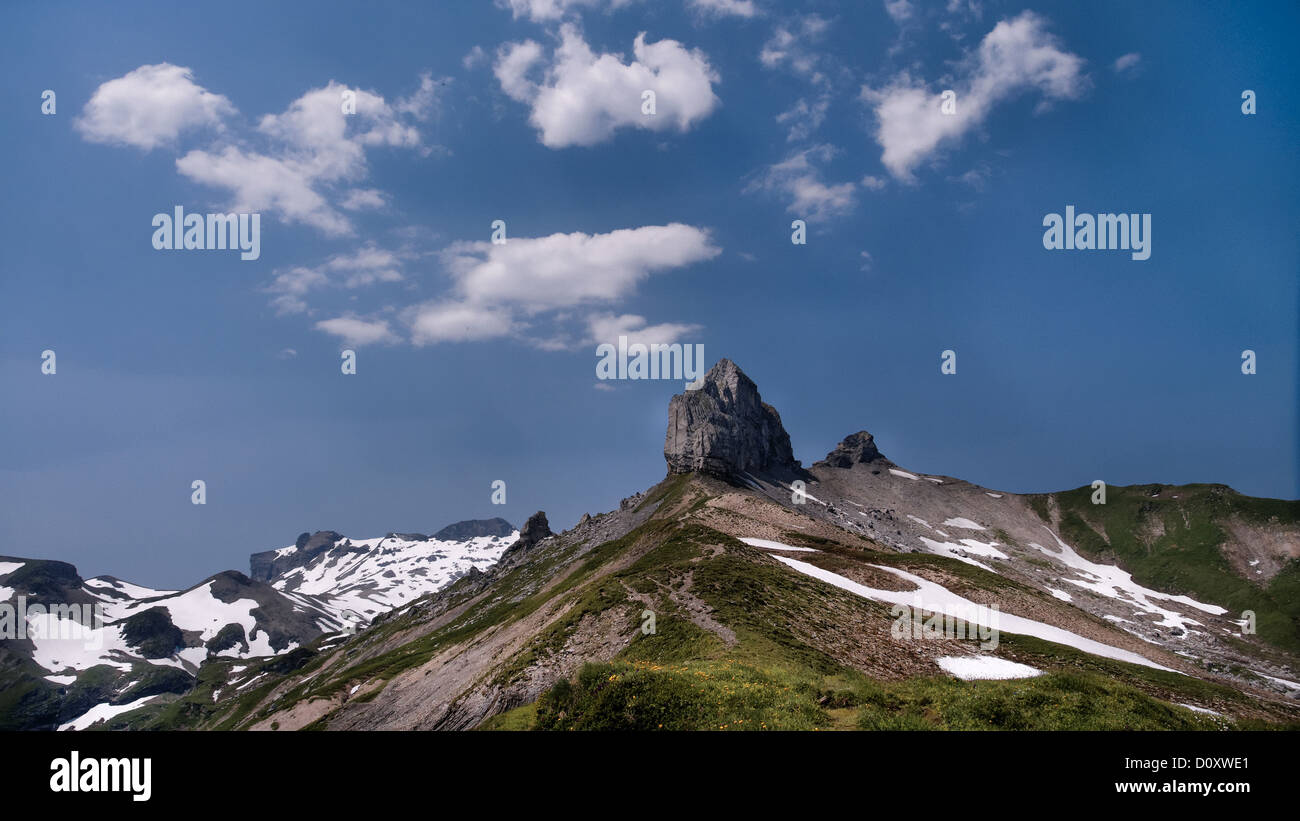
point(474, 528)
point(724, 428)
point(856, 447)
point(534, 530)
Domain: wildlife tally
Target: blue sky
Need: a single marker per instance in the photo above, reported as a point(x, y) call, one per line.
point(476, 362)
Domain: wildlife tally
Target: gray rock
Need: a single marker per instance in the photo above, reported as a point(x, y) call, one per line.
point(266, 565)
point(534, 530)
point(473, 528)
point(856, 448)
point(724, 428)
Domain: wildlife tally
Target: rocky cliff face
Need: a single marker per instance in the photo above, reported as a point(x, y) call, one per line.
point(724, 428)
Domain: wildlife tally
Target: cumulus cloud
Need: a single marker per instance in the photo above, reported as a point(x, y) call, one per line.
point(356, 331)
point(305, 157)
point(799, 179)
point(608, 328)
point(502, 290)
point(1018, 55)
point(725, 8)
point(151, 106)
point(258, 182)
point(578, 97)
point(542, 11)
point(451, 321)
point(317, 146)
point(563, 270)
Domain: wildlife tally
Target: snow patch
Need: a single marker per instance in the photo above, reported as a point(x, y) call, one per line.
point(938, 599)
point(103, 712)
point(985, 667)
point(770, 545)
point(1112, 582)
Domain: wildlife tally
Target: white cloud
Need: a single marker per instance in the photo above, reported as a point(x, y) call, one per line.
point(366, 266)
point(792, 47)
point(799, 179)
point(804, 118)
point(563, 270)
point(1127, 62)
point(873, 183)
point(725, 8)
point(151, 106)
point(474, 58)
point(582, 98)
point(316, 147)
point(1017, 55)
point(359, 199)
point(899, 10)
point(425, 101)
point(357, 332)
point(541, 11)
point(458, 322)
point(307, 155)
point(258, 182)
point(290, 286)
point(504, 290)
point(608, 328)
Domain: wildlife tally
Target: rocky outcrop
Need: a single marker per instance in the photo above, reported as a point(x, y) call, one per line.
point(724, 428)
point(270, 564)
point(473, 528)
point(533, 531)
point(856, 448)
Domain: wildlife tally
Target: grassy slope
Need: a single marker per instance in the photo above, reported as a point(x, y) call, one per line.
point(687, 677)
point(1187, 558)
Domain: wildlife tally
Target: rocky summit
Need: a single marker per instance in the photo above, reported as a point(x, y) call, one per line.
point(724, 428)
point(857, 448)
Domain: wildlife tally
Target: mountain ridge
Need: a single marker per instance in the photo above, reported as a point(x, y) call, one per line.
point(1127, 615)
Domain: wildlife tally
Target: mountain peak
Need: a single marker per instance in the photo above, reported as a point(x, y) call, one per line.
point(724, 428)
point(474, 528)
point(856, 447)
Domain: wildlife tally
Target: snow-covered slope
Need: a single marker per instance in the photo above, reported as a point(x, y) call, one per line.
point(127, 632)
point(371, 576)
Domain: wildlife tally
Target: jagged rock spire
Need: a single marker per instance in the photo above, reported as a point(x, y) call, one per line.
point(724, 428)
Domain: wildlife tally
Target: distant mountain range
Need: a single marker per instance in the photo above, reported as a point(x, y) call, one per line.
point(154, 642)
point(744, 591)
